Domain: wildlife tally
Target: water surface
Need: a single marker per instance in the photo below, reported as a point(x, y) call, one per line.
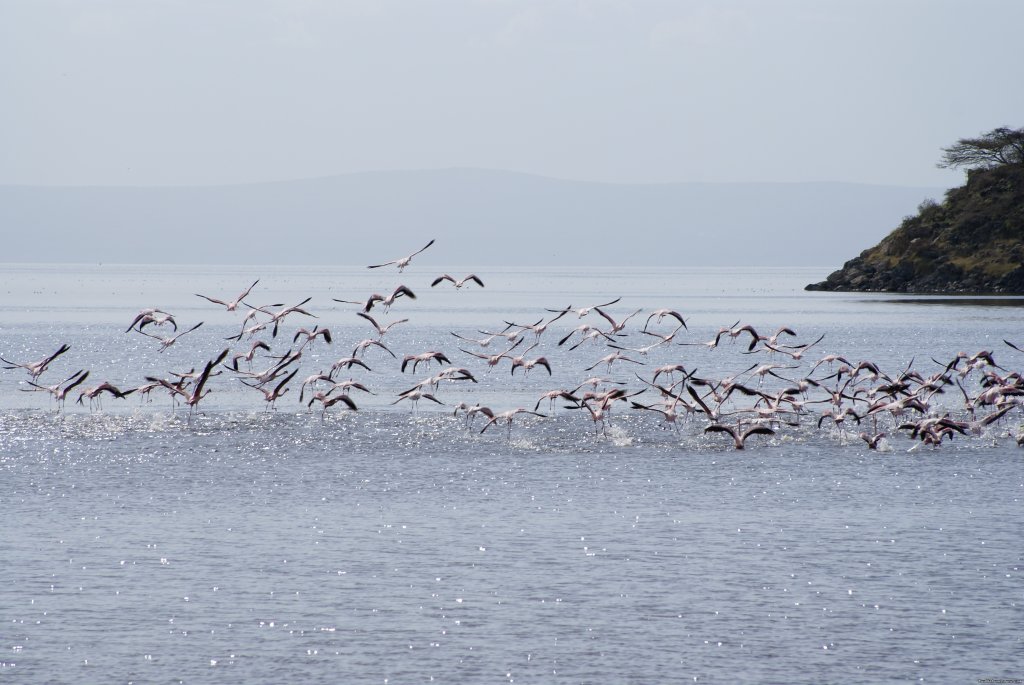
point(393, 545)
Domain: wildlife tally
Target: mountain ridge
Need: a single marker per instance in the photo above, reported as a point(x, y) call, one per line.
point(481, 216)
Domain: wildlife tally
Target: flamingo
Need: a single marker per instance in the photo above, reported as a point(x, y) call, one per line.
point(277, 317)
point(251, 316)
point(348, 363)
point(795, 351)
point(873, 441)
point(312, 335)
point(273, 372)
point(617, 326)
point(529, 364)
point(156, 317)
point(402, 262)
point(35, 369)
point(507, 417)
point(192, 398)
point(553, 396)
point(538, 328)
point(471, 411)
point(667, 411)
point(59, 391)
point(660, 314)
point(94, 393)
point(346, 386)
point(739, 438)
point(642, 351)
point(272, 396)
point(381, 330)
point(388, 300)
point(315, 378)
point(585, 310)
point(610, 359)
point(482, 342)
point(588, 332)
point(670, 370)
point(458, 283)
point(362, 346)
point(167, 342)
point(450, 374)
point(494, 359)
point(248, 356)
point(329, 402)
point(233, 304)
point(713, 343)
point(600, 414)
point(414, 396)
point(426, 358)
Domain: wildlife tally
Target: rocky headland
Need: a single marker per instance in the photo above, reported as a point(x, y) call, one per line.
point(971, 243)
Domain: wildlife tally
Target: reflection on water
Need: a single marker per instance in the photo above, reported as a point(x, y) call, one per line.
point(957, 301)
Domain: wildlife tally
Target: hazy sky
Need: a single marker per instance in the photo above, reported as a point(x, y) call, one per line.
point(154, 92)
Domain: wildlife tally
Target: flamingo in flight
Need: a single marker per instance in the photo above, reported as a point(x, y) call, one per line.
point(402, 262)
point(59, 391)
point(233, 304)
point(583, 311)
point(35, 369)
point(329, 402)
point(659, 314)
point(381, 330)
point(167, 342)
point(156, 317)
point(387, 300)
point(192, 398)
point(458, 283)
point(507, 417)
point(739, 438)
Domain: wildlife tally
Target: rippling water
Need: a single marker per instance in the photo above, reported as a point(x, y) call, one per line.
point(392, 545)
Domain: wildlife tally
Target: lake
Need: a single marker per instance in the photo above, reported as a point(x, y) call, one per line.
point(398, 543)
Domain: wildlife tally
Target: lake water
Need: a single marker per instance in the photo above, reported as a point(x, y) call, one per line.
point(394, 545)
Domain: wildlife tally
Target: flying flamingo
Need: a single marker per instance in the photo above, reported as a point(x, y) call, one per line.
point(585, 310)
point(167, 342)
point(271, 396)
point(233, 304)
point(59, 393)
point(156, 317)
point(402, 262)
point(387, 300)
point(94, 393)
point(458, 283)
point(425, 357)
point(35, 369)
point(192, 398)
point(661, 314)
point(329, 402)
point(507, 417)
point(381, 330)
point(312, 335)
point(739, 438)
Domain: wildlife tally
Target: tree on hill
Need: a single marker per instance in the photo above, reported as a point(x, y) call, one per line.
point(1001, 146)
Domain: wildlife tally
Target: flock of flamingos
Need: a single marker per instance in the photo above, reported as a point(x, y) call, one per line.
point(786, 386)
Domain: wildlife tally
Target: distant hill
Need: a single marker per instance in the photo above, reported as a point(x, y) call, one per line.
point(477, 217)
point(971, 243)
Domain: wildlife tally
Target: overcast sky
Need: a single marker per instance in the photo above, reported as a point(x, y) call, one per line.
point(157, 92)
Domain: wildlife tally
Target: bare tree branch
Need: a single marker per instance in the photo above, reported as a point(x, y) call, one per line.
point(1001, 146)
